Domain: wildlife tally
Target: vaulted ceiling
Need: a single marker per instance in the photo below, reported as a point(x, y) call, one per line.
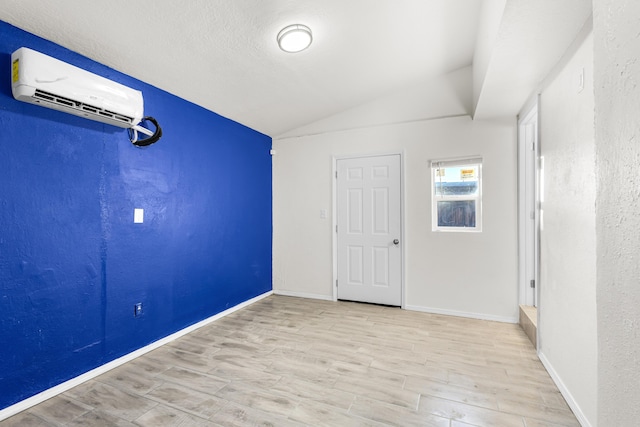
point(223, 55)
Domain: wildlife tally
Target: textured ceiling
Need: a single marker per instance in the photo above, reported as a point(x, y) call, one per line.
point(222, 54)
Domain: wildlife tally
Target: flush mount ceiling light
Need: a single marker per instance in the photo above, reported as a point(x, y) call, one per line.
point(294, 38)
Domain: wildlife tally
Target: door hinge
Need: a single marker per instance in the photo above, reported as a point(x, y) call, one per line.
point(336, 283)
point(533, 146)
point(532, 283)
point(336, 174)
point(336, 228)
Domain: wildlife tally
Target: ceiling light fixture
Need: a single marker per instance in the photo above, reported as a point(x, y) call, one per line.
point(294, 38)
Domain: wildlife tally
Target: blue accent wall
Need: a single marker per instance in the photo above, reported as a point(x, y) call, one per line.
point(72, 261)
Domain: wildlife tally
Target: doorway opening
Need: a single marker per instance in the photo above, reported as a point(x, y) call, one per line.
point(529, 219)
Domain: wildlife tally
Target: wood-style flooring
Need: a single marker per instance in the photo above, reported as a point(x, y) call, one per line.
point(287, 361)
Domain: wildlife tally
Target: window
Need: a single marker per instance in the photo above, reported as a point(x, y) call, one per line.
point(457, 195)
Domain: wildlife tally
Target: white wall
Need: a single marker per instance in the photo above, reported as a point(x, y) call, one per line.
point(484, 285)
point(443, 96)
point(488, 29)
point(567, 323)
point(617, 136)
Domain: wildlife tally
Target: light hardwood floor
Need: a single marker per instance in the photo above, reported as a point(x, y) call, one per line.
point(290, 362)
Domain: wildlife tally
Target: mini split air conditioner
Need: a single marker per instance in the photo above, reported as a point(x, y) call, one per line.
point(42, 80)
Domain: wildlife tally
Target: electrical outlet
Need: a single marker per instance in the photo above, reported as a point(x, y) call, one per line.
point(137, 309)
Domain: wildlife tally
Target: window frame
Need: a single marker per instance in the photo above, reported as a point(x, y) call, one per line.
point(435, 197)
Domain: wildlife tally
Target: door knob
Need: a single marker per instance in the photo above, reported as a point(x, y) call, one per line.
point(396, 241)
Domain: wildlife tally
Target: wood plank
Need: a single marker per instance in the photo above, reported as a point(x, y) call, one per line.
point(289, 361)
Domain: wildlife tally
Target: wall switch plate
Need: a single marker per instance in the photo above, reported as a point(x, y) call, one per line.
point(323, 213)
point(137, 309)
point(581, 80)
point(138, 216)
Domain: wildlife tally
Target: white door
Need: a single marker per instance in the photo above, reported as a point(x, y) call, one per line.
point(369, 251)
point(530, 212)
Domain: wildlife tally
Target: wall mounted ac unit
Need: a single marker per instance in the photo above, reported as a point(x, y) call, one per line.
point(42, 80)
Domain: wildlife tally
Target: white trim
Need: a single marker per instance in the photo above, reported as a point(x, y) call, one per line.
point(577, 411)
point(334, 229)
point(458, 161)
point(403, 221)
point(303, 295)
point(67, 385)
point(479, 316)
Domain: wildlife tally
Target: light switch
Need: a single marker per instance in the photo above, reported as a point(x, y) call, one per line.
point(323, 213)
point(581, 80)
point(138, 216)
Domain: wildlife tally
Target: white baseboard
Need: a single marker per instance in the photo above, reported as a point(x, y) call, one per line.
point(479, 316)
point(302, 295)
point(67, 385)
point(577, 411)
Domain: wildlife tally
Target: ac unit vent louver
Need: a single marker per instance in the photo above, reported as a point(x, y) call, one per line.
point(85, 109)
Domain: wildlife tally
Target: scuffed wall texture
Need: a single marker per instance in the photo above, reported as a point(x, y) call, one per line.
point(617, 125)
point(567, 324)
point(73, 263)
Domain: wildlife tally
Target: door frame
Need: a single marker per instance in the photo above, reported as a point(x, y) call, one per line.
point(334, 225)
point(526, 192)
